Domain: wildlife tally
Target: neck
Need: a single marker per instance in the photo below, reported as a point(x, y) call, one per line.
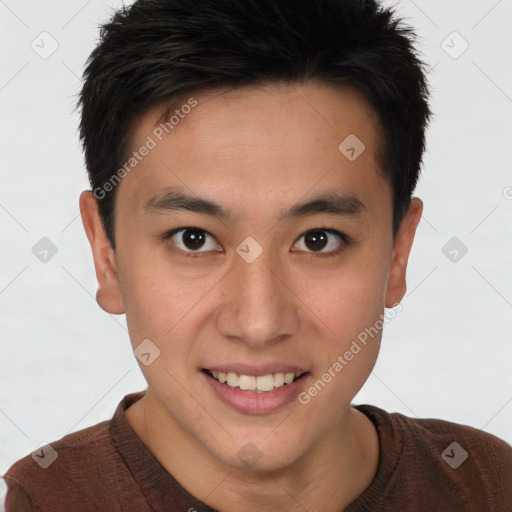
point(328, 477)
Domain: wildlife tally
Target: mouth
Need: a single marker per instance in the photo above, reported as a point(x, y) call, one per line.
point(255, 384)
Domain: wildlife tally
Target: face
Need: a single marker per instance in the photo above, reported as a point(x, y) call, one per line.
point(249, 242)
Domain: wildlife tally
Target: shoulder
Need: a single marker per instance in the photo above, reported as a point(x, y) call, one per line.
point(446, 459)
point(476, 463)
point(463, 442)
point(65, 465)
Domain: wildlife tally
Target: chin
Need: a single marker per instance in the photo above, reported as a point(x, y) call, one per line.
point(260, 454)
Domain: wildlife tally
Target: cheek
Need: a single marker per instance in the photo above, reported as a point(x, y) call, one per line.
point(348, 352)
point(351, 298)
point(153, 298)
point(351, 305)
point(165, 304)
point(148, 309)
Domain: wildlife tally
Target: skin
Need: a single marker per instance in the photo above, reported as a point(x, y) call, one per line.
point(256, 151)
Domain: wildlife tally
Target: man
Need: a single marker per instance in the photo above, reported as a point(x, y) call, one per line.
point(252, 166)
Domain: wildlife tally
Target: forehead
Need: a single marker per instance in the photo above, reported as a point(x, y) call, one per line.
point(271, 142)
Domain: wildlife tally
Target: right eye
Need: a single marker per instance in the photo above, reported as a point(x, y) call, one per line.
point(190, 240)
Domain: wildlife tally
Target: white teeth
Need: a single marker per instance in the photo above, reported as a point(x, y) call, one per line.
point(247, 383)
point(278, 380)
point(260, 384)
point(232, 380)
point(289, 378)
point(265, 382)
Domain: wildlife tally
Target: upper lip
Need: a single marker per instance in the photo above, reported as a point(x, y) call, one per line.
point(257, 370)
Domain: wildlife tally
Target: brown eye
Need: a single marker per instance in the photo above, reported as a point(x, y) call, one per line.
point(193, 239)
point(316, 240)
point(190, 240)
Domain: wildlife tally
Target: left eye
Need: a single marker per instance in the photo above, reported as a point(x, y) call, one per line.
point(318, 239)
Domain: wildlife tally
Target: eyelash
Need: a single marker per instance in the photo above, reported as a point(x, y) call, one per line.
point(345, 241)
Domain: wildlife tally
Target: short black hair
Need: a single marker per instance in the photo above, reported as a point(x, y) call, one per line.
point(157, 51)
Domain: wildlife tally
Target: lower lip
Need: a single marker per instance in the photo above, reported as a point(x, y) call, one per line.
point(250, 402)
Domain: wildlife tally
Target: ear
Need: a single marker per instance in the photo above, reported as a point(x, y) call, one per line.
point(396, 280)
point(108, 295)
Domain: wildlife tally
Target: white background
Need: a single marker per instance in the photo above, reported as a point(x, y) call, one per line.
point(66, 364)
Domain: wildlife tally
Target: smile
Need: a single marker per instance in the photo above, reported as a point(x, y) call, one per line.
point(256, 394)
point(259, 384)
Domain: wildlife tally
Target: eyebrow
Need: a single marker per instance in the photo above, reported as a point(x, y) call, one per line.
point(333, 203)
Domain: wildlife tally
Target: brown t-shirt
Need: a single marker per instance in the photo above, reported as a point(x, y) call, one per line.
point(107, 468)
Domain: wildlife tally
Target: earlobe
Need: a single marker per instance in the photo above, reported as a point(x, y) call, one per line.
point(108, 295)
point(397, 285)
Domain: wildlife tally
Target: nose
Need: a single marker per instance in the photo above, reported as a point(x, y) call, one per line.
point(261, 308)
